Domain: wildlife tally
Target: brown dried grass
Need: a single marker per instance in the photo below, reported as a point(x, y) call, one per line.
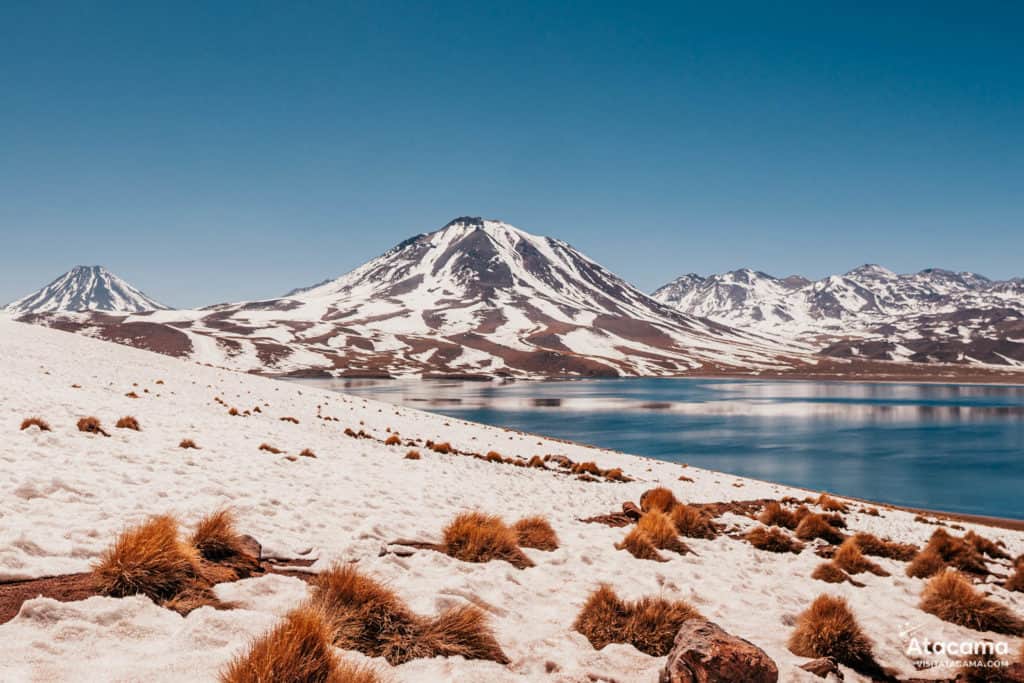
point(393, 440)
point(944, 550)
point(91, 425)
point(37, 422)
point(640, 546)
point(147, 559)
point(297, 650)
point(412, 455)
point(828, 628)
point(270, 449)
point(814, 526)
point(443, 447)
point(774, 514)
point(693, 522)
point(830, 504)
point(951, 597)
point(307, 453)
point(477, 537)
point(773, 539)
point(986, 546)
point(850, 559)
point(188, 443)
point(649, 624)
point(364, 615)
point(128, 422)
point(660, 498)
point(288, 418)
point(870, 544)
point(829, 573)
point(536, 532)
point(1015, 582)
point(662, 532)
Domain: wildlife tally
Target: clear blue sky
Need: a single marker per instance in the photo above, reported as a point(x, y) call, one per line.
point(212, 151)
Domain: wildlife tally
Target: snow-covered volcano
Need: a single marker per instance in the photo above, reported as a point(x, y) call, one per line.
point(85, 288)
point(477, 297)
point(869, 312)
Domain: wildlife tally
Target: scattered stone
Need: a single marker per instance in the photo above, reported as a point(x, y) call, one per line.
point(823, 667)
point(704, 653)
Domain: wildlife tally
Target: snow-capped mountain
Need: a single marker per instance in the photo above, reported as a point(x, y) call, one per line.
point(869, 312)
point(85, 288)
point(477, 297)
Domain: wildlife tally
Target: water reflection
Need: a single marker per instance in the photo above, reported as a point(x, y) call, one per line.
point(938, 446)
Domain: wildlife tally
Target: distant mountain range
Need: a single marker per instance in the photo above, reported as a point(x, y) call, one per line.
point(477, 297)
point(85, 288)
point(934, 316)
point(482, 298)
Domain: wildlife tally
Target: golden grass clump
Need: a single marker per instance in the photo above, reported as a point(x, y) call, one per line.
point(393, 440)
point(288, 418)
point(814, 526)
point(870, 544)
point(537, 461)
point(773, 539)
point(1015, 582)
point(828, 628)
point(188, 443)
point(270, 449)
point(297, 650)
point(693, 522)
point(364, 615)
point(659, 498)
point(91, 425)
point(37, 422)
point(986, 546)
point(147, 559)
point(588, 467)
point(661, 530)
point(412, 455)
point(830, 504)
point(649, 624)
point(639, 545)
point(233, 412)
point(850, 559)
point(307, 453)
point(443, 447)
point(774, 514)
point(476, 537)
point(829, 573)
point(217, 539)
point(536, 532)
point(944, 550)
point(128, 422)
point(951, 597)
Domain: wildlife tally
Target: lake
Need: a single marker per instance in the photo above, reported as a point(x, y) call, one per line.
point(944, 447)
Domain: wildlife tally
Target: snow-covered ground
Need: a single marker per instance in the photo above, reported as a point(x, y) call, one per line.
point(65, 496)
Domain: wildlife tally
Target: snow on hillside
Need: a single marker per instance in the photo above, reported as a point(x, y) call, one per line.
point(870, 312)
point(85, 288)
point(67, 494)
point(477, 297)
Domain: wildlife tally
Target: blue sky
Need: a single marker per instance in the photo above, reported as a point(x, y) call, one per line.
point(222, 151)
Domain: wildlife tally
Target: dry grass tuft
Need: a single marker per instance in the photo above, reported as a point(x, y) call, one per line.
point(307, 453)
point(128, 422)
point(1015, 582)
point(476, 537)
point(870, 544)
point(412, 455)
point(147, 559)
point(773, 539)
point(37, 422)
point(132, 394)
point(640, 546)
point(944, 550)
point(850, 559)
point(588, 467)
point(828, 629)
point(829, 573)
point(216, 537)
point(444, 447)
point(537, 461)
point(270, 449)
point(830, 504)
point(91, 425)
point(951, 597)
point(297, 650)
point(615, 474)
point(188, 443)
point(774, 514)
point(393, 440)
point(288, 418)
point(649, 624)
point(693, 522)
point(536, 532)
point(233, 412)
point(659, 528)
point(986, 546)
point(659, 498)
point(814, 526)
point(366, 616)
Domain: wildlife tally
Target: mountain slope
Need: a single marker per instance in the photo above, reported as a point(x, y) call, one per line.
point(869, 312)
point(476, 297)
point(85, 288)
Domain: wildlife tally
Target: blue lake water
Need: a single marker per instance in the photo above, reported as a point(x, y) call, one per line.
point(944, 447)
